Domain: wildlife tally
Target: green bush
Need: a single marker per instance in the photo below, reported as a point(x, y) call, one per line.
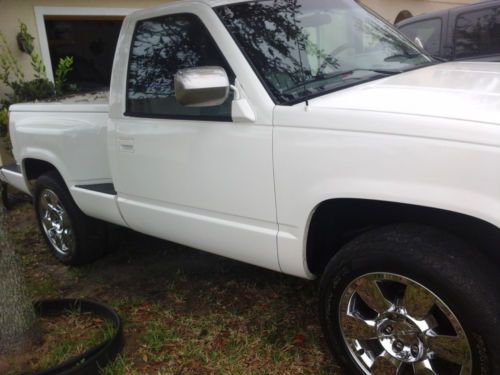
point(30, 91)
point(4, 121)
point(12, 76)
point(64, 66)
point(22, 90)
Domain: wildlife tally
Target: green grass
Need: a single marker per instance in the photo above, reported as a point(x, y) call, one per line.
point(67, 348)
point(184, 312)
point(59, 353)
point(41, 288)
point(157, 335)
point(79, 272)
point(119, 366)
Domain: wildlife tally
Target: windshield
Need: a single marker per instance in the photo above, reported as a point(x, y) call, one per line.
point(303, 48)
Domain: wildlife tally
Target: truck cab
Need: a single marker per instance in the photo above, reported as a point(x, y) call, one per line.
point(306, 137)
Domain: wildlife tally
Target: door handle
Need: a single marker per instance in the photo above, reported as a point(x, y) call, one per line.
point(126, 144)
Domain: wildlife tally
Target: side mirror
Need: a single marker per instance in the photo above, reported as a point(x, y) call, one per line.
point(206, 86)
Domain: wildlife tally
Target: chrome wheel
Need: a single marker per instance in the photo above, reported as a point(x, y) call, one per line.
point(394, 325)
point(55, 222)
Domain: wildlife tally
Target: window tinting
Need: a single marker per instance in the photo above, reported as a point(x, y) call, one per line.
point(478, 33)
point(160, 47)
point(428, 32)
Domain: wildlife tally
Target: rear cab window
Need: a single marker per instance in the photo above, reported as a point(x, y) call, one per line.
point(477, 33)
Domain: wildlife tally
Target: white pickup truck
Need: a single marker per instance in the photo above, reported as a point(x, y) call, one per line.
point(308, 137)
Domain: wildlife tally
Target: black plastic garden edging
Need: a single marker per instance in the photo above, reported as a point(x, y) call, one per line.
point(89, 362)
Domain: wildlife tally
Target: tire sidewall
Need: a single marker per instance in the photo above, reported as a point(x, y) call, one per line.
point(51, 183)
point(344, 268)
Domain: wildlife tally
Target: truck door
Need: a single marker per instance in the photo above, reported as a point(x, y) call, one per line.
point(190, 175)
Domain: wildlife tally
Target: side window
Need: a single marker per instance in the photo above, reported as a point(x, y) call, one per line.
point(478, 33)
point(428, 33)
point(160, 47)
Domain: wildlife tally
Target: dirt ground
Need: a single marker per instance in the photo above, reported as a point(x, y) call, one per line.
point(185, 311)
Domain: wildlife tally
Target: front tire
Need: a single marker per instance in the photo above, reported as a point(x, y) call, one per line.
point(409, 299)
point(73, 237)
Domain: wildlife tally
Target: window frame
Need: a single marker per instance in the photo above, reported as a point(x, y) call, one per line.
point(441, 35)
point(231, 75)
point(46, 11)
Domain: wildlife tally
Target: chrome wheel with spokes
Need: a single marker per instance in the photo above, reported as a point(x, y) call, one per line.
point(394, 325)
point(55, 222)
point(410, 299)
point(73, 237)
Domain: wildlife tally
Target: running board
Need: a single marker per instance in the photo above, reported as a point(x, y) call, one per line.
point(15, 168)
point(11, 174)
point(99, 188)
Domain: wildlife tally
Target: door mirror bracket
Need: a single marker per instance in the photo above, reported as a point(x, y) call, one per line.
point(240, 109)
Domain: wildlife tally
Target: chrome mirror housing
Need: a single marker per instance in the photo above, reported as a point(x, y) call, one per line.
point(206, 86)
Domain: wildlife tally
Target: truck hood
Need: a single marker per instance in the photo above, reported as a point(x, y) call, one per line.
point(456, 90)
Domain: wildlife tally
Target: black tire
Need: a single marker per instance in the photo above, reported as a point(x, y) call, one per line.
point(88, 234)
point(441, 263)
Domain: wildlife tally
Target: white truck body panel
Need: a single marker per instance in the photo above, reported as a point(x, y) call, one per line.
point(391, 140)
point(429, 137)
point(73, 138)
point(234, 214)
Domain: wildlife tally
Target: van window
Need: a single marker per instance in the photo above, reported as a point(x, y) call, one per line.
point(478, 33)
point(428, 33)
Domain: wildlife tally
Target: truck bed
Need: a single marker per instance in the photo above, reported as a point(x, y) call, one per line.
point(96, 102)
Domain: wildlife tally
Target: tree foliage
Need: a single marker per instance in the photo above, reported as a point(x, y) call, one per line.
point(12, 76)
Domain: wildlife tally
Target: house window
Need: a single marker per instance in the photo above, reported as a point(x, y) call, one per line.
point(89, 35)
point(90, 41)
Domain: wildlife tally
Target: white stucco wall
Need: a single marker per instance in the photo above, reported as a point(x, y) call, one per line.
point(13, 11)
point(390, 8)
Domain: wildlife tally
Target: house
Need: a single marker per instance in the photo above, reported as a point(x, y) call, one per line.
point(88, 30)
point(390, 9)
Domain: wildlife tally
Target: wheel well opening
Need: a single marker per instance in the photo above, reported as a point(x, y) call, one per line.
point(336, 222)
point(34, 168)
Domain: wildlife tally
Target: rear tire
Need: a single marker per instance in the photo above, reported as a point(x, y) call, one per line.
point(386, 293)
point(72, 237)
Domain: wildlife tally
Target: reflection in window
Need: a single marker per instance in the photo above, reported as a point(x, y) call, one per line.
point(302, 48)
point(478, 33)
point(427, 32)
point(160, 47)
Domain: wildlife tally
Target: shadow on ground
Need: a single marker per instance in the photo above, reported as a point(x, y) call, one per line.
point(186, 311)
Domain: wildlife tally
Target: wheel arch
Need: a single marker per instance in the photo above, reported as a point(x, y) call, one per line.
point(335, 222)
point(33, 168)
